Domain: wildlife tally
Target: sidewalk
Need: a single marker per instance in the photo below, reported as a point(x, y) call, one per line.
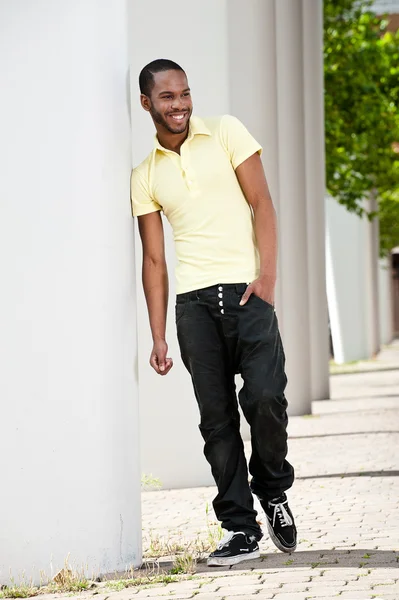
point(345, 499)
point(385, 361)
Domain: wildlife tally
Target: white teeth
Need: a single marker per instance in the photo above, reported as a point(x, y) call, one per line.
point(178, 117)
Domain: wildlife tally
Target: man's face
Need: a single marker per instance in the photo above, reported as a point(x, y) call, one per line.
point(170, 104)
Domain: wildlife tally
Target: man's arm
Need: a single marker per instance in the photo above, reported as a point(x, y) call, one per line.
point(156, 287)
point(251, 177)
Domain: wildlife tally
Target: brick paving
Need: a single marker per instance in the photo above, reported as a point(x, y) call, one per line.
point(345, 499)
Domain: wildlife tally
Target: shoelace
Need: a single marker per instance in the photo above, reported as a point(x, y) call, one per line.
point(283, 515)
point(226, 539)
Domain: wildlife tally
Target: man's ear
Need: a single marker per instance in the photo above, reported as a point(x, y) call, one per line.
point(145, 102)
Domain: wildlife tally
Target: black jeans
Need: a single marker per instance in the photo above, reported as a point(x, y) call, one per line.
point(218, 338)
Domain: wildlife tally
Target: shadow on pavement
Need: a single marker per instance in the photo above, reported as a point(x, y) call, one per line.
point(351, 433)
point(355, 474)
point(362, 559)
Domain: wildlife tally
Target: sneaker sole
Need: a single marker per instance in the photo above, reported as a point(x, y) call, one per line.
point(277, 542)
point(232, 560)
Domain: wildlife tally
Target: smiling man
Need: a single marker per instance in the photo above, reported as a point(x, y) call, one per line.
point(207, 177)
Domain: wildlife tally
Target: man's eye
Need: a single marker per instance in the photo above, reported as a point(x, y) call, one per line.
point(186, 94)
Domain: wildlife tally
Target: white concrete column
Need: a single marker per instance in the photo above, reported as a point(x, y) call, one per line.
point(293, 209)
point(371, 267)
point(348, 277)
point(68, 387)
point(385, 300)
point(252, 77)
point(315, 193)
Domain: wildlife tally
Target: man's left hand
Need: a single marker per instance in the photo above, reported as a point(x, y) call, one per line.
point(261, 287)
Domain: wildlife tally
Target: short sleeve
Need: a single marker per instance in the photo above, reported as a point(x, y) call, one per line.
point(237, 140)
point(142, 202)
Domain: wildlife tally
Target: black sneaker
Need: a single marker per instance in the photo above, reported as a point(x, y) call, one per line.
point(235, 547)
point(280, 523)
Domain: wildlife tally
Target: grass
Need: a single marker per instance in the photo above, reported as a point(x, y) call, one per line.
point(215, 531)
point(23, 590)
point(68, 579)
point(161, 547)
point(185, 554)
point(121, 584)
point(184, 564)
point(148, 482)
point(73, 581)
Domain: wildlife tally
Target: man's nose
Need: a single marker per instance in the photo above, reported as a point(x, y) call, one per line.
point(177, 103)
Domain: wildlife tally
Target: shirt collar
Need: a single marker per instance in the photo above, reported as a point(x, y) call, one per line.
point(196, 127)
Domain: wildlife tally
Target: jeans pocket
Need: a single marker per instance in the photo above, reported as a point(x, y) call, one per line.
point(267, 304)
point(179, 311)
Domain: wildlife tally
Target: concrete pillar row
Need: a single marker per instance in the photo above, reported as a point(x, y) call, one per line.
point(279, 73)
point(252, 67)
point(294, 268)
point(313, 78)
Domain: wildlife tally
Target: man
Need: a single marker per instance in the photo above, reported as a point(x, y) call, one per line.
point(207, 178)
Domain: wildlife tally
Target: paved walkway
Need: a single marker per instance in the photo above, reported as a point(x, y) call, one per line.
point(385, 361)
point(346, 502)
point(345, 499)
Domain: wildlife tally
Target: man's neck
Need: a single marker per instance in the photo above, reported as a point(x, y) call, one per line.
point(171, 141)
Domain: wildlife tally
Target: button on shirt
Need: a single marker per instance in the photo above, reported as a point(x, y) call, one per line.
point(199, 193)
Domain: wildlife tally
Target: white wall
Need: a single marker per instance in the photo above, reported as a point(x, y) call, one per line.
point(195, 36)
point(69, 441)
point(349, 283)
point(385, 300)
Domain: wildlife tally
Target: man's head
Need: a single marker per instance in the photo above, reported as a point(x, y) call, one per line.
point(165, 95)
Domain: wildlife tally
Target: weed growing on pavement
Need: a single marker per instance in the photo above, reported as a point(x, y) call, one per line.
point(146, 580)
point(21, 590)
point(68, 579)
point(314, 565)
point(215, 531)
point(289, 562)
point(186, 553)
point(184, 564)
point(366, 556)
point(158, 547)
point(148, 482)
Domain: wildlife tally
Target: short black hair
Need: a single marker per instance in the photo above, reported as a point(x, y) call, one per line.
point(146, 77)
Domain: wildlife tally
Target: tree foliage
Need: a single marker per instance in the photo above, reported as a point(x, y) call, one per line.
point(361, 67)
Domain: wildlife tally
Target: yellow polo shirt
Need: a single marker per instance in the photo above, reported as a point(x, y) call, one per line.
point(199, 194)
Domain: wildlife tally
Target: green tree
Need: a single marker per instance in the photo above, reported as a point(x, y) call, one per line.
point(361, 68)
